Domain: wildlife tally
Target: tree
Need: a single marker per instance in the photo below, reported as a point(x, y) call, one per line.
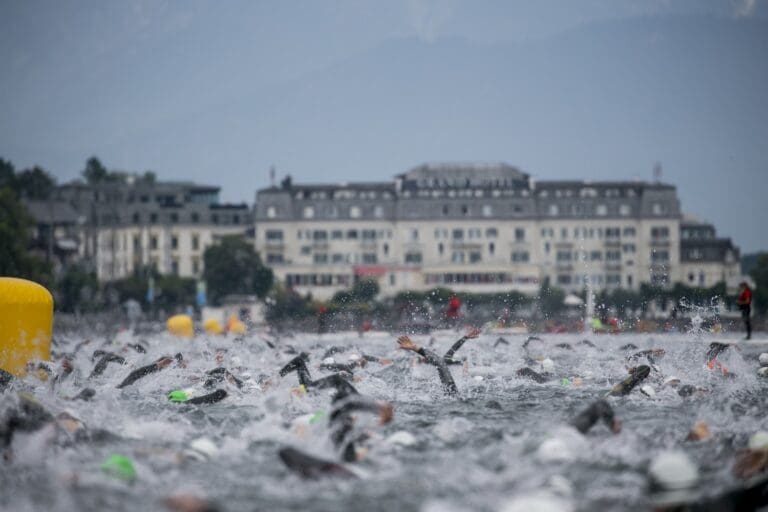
point(759, 274)
point(232, 266)
point(551, 300)
point(35, 183)
point(75, 290)
point(15, 260)
point(94, 171)
point(8, 175)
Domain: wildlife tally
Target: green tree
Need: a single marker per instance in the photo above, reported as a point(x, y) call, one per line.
point(233, 266)
point(8, 175)
point(15, 260)
point(551, 300)
point(75, 290)
point(35, 183)
point(94, 171)
point(759, 274)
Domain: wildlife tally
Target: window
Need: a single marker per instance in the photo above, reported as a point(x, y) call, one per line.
point(596, 256)
point(475, 257)
point(660, 232)
point(659, 208)
point(271, 212)
point(612, 232)
point(491, 233)
point(273, 258)
point(153, 242)
point(612, 279)
point(235, 219)
point(629, 231)
point(487, 210)
point(136, 218)
point(337, 234)
point(601, 210)
point(414, 235)
point(519, 234)
point(474, 233)
point(457, 257)
point(369, 258)
point(520, 257)
point(369, 234)
point(306, 250)
point(628, 248)
point(174, 242)
point(320, 235)
point(464, 210)
point(553, 210)
point(309, 212)
point(195, 265)
point(458, 234)
point(564, 256)
point(175, 267)
point(215, 218)
point(445, 209)
point(174, 218)
point(320, 259)
point(195, 217)
point(413, 257)
point(378, 211)
point(564, 233)
point(153, 218)
point(563, 279)
point(659, 256)
point(337, 258)
point(354, 212)
point(352, 234)
point(386, 249)
point(625, 210)
point(274, 235)
point(440, 248)
point(491, 248)
point(613, 256)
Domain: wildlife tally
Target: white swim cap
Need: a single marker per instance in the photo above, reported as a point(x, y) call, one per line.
point(763, 359)
point(673, 470)
point(354, 357)
point(758, 441)
point(547, 364)
point(329, 360)
point(648, 391)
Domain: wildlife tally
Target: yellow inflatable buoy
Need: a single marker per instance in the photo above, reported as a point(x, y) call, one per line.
point(213, 326)
point(181, 326)
point(26, 324)
point(235, 326)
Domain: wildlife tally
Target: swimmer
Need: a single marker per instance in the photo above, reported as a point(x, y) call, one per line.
point(470, 335)
point(312, 467)
point(597, 410)
point(534, 375)
point(160, 364)
point(342, 421)
point(625, 387)
point(335, 381)
point(438, 362)
point(106, 358)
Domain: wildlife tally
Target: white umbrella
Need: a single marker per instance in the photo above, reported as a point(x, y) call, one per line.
point(573, 300)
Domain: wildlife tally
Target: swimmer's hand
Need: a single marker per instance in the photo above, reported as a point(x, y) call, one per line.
point(407, 344)
point(386, 412)
point(616, 426)
point(473, 333)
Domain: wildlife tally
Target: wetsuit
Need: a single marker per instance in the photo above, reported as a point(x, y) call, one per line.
point(342, 422)
point(626, 386)
point(448, 357)
point(312, 467)
point(597, 410)
point(534, 375)
point(106, 358)
point(442, 370)
point(142, 372)
point(336, 381)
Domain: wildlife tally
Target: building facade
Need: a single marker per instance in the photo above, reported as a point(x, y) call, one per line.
point(137, 224)
point(476, 228)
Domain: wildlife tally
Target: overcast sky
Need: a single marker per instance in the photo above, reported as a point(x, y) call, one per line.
point(219, 91)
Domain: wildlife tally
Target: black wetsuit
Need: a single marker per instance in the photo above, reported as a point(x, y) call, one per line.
point(342, 422)
point(627, 385)
point(312, 467)
point(106, 358)
point(336, 381)
point(597, 410)
point(454, 348)
point(442, 370)
point(142, 372)
point(534, 375)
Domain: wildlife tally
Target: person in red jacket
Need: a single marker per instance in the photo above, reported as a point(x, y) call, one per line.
point(452, 313)
point(744, 301)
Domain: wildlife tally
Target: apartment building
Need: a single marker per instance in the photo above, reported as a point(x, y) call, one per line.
point(138, 223)
point(476, 228)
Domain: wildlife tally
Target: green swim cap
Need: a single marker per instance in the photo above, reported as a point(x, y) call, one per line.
point(316, 417)
point(565, 382)
point(119, 466)
point(178, 395)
